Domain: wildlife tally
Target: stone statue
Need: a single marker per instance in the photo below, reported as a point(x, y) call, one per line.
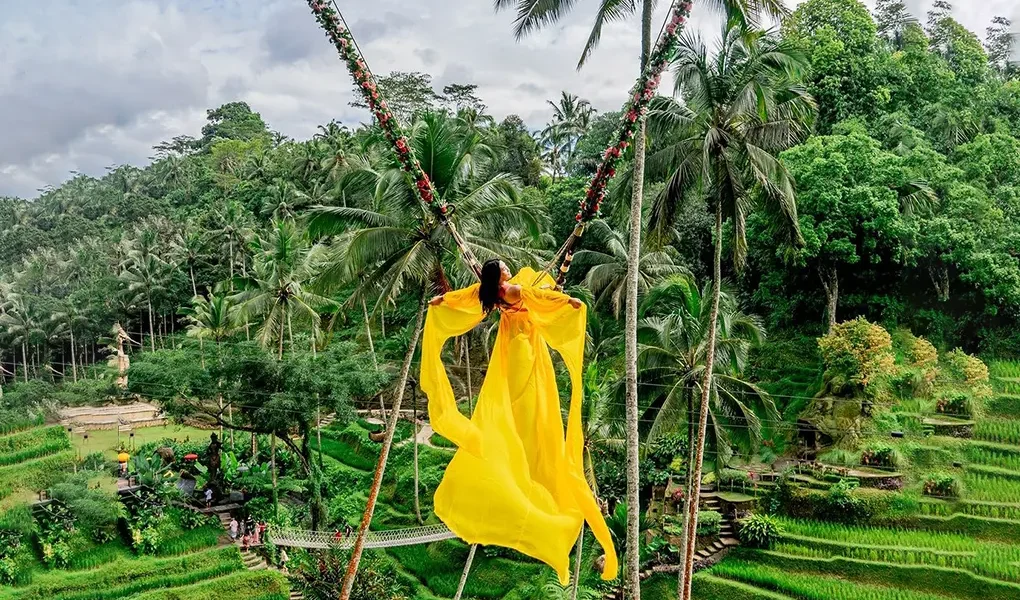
point(120, 360)
point(214, 459)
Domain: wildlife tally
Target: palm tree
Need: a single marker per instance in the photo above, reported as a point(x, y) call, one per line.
point(188, 248)
point(71, 317)
point(210, 318)
point(532, 15)
point(213, 318)
point(396, 244)
point(741, 108)
point(606, 264)
point(21, 325)
point(235, 233)
point(674, 335)
point(277, 290)
point(571, 120)
point(144, 274)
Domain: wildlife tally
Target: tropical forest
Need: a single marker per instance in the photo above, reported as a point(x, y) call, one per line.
point(774, 302)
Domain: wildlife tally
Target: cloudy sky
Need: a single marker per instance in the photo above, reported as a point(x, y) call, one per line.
point(86, 84)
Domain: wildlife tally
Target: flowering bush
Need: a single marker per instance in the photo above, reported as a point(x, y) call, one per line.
point(967, 368)
point(923, 353)
point(857, 353)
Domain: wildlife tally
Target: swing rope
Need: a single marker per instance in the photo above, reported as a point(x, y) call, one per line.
point(332, 21)
point(634, 113)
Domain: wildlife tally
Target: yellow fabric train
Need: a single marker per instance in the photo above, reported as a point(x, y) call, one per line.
point(516, 481)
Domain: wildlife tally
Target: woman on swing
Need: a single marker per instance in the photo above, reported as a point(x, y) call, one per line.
point(516, 479)
point(495, 291)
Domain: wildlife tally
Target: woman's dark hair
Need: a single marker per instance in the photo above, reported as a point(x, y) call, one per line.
point(488, 292)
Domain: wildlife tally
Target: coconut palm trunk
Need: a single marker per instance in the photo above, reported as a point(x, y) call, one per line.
point(414, 434)
point(194, 286)
point(74, 364)
point(687, 487)
point(368, 332)
point(371, 348)
point(577, 566)
point(467, 569)
point(152, 327)
point(24, 359)
point(706, 390)
point(632, 584)
point(380, 467)
point(276, 493)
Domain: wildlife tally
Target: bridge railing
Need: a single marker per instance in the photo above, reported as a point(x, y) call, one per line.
point(299, 538)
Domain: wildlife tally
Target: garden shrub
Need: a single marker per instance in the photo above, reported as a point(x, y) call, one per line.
point(93, 510)
point(709, 522)
point(922, 353)
point(941, 485)
point(857, 354)
point(955, 404)
point(759, 531)
point(881, 455)
point(734, 478)
point(844, 505)
point(970, 371)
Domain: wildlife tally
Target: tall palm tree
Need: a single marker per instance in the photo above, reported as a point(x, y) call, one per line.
point(144, 275)
point(188, 248)
point(742, 106)
point(674, 334)
point(277, 291)
point(571, 120)
point(533, 14)
point(210, 318)
point(72, 317)
point(22, 327)
point(606, 262)
point(397, 245)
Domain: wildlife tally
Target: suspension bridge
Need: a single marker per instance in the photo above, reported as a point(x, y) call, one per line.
point(299, 538)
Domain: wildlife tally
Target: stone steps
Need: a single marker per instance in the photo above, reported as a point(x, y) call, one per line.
point(252, 561)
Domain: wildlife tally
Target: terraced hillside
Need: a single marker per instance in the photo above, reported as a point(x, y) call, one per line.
point(932, 544)
point(211, 572)
point(31, 459)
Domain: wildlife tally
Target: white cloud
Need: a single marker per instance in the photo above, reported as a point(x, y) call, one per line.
point(112, 78)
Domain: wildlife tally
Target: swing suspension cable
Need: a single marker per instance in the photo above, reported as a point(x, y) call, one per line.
point(331, 19)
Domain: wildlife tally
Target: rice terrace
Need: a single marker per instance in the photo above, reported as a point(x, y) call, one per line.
point(534, 300)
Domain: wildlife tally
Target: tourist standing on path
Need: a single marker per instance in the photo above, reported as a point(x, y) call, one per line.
point(233, 529)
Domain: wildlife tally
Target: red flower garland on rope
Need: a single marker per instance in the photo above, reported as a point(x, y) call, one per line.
point(343, 40)
point(634, 111)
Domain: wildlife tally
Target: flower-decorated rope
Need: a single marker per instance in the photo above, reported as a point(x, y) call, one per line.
point(331, 21)
point(633, 113)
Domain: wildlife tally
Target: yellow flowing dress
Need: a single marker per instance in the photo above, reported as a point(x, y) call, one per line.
point(516, 480)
